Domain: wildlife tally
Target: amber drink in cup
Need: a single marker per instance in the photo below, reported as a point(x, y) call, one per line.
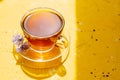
point(42, 27)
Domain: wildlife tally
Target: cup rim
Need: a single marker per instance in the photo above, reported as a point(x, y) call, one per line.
point(42, 9)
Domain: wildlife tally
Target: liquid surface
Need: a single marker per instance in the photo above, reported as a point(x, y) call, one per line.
point(42, 24)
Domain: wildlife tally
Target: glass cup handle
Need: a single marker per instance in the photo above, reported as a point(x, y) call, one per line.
point(62, 42)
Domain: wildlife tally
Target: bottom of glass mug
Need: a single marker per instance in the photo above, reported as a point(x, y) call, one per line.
point(38, 59)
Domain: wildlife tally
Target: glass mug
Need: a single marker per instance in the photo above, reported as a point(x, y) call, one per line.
point(42, 28)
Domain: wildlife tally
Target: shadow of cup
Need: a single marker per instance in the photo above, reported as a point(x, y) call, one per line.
point(39, 73)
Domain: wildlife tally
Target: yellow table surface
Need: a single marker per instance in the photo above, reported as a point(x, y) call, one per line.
point(94, 29)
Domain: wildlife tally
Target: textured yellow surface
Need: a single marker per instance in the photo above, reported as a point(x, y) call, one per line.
point(95, 40)
point(98, 39)
point(11, 12)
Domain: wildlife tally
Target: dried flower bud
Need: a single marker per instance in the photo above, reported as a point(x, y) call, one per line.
point(18, 40)
point(23, 47)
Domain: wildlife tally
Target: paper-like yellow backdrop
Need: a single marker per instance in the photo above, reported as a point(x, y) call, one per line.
point(94, 29)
